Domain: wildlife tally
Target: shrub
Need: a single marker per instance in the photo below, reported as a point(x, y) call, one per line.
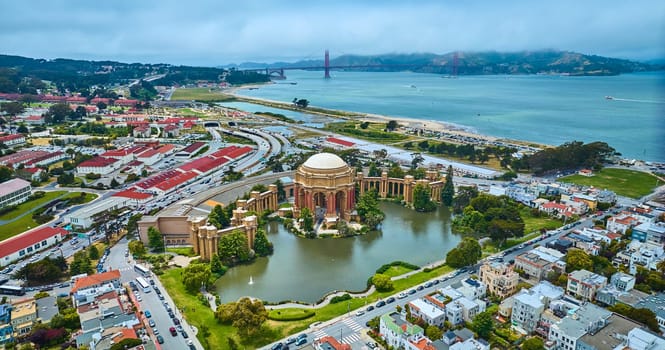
point(340, 298)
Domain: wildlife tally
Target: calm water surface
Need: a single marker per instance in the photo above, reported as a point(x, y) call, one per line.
point(306, 269)
point(545, 109)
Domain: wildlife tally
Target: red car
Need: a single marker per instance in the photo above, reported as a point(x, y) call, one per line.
point(173, 331)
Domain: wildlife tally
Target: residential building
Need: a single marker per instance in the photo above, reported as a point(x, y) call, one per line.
point(396, 330)
point(134, 198)
point(471, 344)
point(470, 308)
point(150, 156)
point(647, 254)
point(655, 303)
point(24, 315)
point(499, 278)
point(171, 130)
point(587, 319)
point(29, 242)
point(109, 310)
point(537, 262)
point(610, 295)
point(431, 314)
point(12, 140)
point(622, 281)
point(641, 339)
point(472, 288)
point(583, 284)
point(97, 280)
point(650, 232)
point(14, 191)
point(621, 223)
point(529, 304)
point(610, 336)
point(6, 330)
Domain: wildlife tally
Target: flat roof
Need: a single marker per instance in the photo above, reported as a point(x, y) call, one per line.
point(12, 186)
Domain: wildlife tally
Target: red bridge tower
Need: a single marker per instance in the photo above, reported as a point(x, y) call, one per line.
point(326, 66)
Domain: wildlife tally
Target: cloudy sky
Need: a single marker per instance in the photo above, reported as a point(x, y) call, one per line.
point(197, 32)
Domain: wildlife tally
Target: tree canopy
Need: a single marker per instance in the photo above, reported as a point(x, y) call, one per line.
point(196, 276)
point(448, 191)
point(367, 207)
point(467, 252)
point(234, 249)
point(246, 315)
point(155, 239)
point(570, 155)
point(486, 214)
point(421, 199)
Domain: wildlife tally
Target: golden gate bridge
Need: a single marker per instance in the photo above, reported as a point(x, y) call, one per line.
point(278, 72)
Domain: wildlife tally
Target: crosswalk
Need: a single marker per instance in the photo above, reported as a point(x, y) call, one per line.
point(353, 338)
point(319, 334)
point(353, 324)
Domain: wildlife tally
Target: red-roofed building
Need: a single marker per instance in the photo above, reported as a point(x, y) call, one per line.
point(98, 165)
point(12, 140)
point(30, 174)
point(150, 156)
point(21, 157)
point(330, 343)
point(96, 280)
point(29, 242)
point(188, 124)
point(76, 99)
point(97, 100)
point(171, 130)
point(125, 102)
point(124, 155)
point(134, 167)
point(172, 183)
point(166, 149)
point(34, 120)
point(204, 164)
point(137, 198)
point(190, 150)
point(46, 159)
point(339, 142)
point(141, 131)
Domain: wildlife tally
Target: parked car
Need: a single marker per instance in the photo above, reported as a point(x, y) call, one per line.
point(147, 314)
point(369, 308)
point(151, 323)
point(160, 339)
point(390, 300)
point(173, 331)
point(380, 303)
point(358, 313)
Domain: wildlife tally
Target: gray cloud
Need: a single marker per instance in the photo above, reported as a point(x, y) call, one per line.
point(217, 32)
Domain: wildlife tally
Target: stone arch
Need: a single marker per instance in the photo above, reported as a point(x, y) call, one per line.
point(340, 202)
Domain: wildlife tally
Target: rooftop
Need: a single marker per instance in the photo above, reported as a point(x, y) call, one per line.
point(23, 308)
point(655, 302)
point(430, 311)
point(29, 238)
point(12, 186)
point(325, 161)
point(96, 279)
point(587, 277)
point(608, 337)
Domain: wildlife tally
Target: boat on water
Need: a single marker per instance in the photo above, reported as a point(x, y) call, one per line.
point(413, 86)
point(609, 98)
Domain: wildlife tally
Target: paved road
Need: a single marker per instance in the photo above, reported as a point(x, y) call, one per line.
point(151, 302)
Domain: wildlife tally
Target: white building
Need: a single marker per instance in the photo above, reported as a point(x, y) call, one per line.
point(431, 314)
point(14, 191)
point(623, 281)
point(29, 243)
point(85, 217)
point(470, 344)
point(566, 333)
point(584, 284)
point(12, 140)
point(150, 156)
point(528, 305)
point(472, 288)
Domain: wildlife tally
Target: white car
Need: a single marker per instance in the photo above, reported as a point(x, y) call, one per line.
point(360, 313)
point(401, 295)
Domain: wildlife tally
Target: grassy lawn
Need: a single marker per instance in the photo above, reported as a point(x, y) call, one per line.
point(532, 223)
point(186, 251)
point(26, 222)
point(394, 271)
point(290, 314)
point(372, 133)
point(624, 182)
point(200, 94)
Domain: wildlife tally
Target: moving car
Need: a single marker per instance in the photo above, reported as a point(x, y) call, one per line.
point(173, 331)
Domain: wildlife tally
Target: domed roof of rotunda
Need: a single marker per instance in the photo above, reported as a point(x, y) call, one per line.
point(325, 161)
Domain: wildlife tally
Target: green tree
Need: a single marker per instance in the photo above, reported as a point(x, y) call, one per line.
point(421, 199)
point(136, 247)
point(43, 271)
point(22, 129)
point(196, 276)
point(307, 220)
point(216, 265)
point(391, 125)
point(246, 315)
point(66, 179)
point(234, 249)
point(57, 113)
point(433, 332)
point(367, 207)
point(262, 245)
point(373, 171)
point(93, 252)
point(464, 196)
point(281, 193)
point(80, 264)
point(396, 171)
point(382, 282)
point(155, 239)
point(533, 343)
point(483, 324)
point(12, 108)
point(218, 217)
point(466, 253)
point(577, 259)
point(448, 190)
point(6, 173)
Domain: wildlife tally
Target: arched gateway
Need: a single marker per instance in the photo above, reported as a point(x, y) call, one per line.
point(325, 185)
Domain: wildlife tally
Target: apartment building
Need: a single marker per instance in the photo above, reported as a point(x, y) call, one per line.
point(584, 284)
point(499, 278)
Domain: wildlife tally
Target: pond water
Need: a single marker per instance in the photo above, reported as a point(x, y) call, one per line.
point(306, 269)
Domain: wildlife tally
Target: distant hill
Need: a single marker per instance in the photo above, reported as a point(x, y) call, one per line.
point(477, 63)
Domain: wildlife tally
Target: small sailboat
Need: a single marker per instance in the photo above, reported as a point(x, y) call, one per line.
point(251, 280)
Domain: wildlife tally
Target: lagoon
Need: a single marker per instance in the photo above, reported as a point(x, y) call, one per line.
point(306, 269)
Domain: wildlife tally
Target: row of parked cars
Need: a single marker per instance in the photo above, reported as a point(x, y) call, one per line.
point(297, 340)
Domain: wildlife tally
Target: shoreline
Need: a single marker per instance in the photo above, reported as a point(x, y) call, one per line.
point(413, 123)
